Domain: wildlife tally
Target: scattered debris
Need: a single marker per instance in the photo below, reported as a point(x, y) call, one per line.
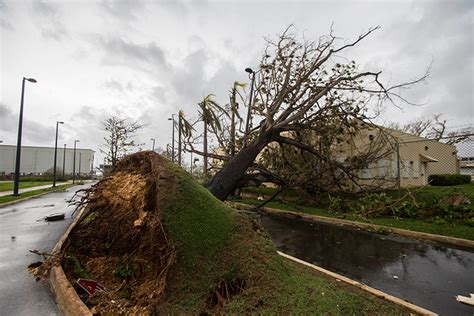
point(47, 205)
point(456, 199)
point(465, 299)
point(35, 264)
point(55, 217)
point(90, 286)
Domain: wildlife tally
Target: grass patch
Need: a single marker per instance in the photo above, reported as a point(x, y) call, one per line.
point(197, 222)
point(8, 186)
point(273, 285)
point(218, 248)
point(10, 198)
point(432, 194)
point(419, 225)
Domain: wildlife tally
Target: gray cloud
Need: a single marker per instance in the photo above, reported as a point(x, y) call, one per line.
point(47, 19)
point(33, 132)
point(4, 23)
point(118, 51)
point(123, 9)
point(443, 32)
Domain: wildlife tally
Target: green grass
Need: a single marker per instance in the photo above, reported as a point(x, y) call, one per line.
point(215, 244)
point(425, 226)
point(8, 186)
point(432, 194)
point(198, 222)
point(10, 198)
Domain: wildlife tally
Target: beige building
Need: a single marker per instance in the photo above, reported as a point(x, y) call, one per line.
point(406, 160)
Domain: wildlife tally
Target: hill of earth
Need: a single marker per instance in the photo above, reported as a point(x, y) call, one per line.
point(161, 243)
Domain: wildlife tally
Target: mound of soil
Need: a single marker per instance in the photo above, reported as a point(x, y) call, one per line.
point(162, 244)
point(122, 242)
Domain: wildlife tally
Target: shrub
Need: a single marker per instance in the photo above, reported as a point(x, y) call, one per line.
point(448, 179)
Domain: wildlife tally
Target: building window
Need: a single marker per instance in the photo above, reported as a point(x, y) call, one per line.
point(366, 174)
point(416, 169)
point(405, 169)
point(382, 168)
point(394, 169)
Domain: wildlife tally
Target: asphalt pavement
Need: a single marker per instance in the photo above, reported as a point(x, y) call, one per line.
point(22, 229)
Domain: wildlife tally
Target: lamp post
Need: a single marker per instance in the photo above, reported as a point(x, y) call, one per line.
point(56, 152)
point(247, 124)
point(153, 147)
point(179, 138)
point(64, 162)
point(74, 162)
point(16, 183)
point(172, 136)
point(79, 173)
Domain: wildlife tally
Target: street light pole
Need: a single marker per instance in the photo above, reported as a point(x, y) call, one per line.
point(172, 136)
point(55, 153)
point(16, 183)
point(79, 173)
point(64, 162)
point(153, 147)
point(74, 162)
point(247, 124)
point(179, 139)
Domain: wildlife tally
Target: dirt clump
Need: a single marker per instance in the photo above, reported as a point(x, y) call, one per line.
point(121, 242)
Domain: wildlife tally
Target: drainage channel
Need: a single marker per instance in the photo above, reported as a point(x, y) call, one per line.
point(426, 274)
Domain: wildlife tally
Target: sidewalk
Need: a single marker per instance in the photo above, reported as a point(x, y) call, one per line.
point(10, 192)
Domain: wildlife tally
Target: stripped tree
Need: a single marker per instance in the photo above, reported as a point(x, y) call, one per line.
point(302, 87)
point(120, 138)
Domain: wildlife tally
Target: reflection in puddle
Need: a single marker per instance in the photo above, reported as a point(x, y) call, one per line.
point(423, 273)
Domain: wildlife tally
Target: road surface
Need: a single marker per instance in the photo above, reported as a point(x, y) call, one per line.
point(21, 230)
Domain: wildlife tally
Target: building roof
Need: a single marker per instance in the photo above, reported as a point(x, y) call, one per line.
point(44, 147)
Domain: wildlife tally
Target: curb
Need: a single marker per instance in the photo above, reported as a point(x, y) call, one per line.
point(65, 295)
point(366, 288)
point(371, 227)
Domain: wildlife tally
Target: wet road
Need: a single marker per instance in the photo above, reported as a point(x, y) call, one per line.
point(425, 274)
point(20, 231)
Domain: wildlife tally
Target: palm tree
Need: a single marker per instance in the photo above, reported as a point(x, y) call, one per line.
point(210, 117)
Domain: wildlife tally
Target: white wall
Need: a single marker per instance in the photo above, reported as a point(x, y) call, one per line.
point(37, 160)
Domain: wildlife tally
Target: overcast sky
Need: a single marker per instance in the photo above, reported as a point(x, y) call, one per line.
point(148, 59)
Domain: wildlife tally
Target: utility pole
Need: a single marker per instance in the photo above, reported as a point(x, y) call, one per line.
point(153, 146)
point(172, 136)
point(179, 137)
point(64, 163)
point(74, 163)
point(55, 152)
point(247, 123)
point(16, 183)
point(80, 158)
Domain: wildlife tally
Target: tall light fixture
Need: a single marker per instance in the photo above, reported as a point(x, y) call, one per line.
point(56, 152)
point(16, 183)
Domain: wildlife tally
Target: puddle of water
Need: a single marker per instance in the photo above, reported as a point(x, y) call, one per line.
point(425, 274)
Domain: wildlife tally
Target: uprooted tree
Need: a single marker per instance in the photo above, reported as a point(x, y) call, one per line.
point(119, 140)
point(307, 99)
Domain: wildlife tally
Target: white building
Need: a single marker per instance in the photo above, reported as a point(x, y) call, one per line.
point(38, 160)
